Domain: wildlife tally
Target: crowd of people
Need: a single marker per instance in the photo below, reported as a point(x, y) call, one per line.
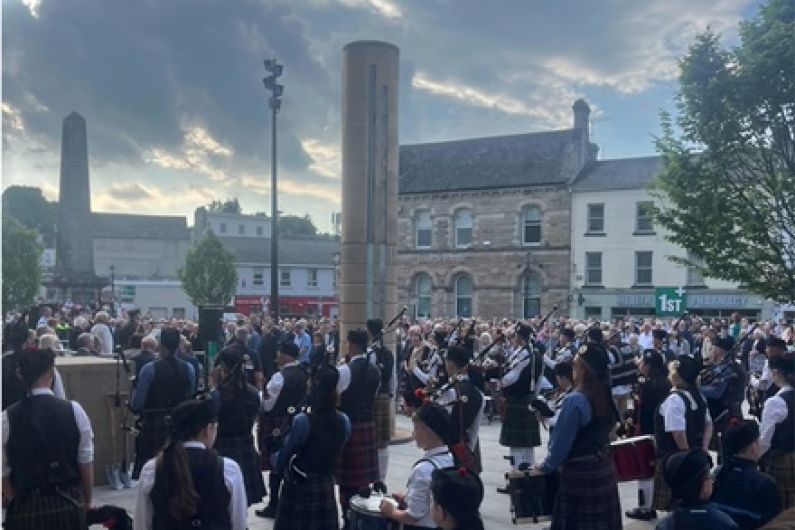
point(311, 408)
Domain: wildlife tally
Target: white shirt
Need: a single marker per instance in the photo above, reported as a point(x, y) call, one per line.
point(345, 373)
point(105, 338)
point(57, 385)
point(646, 340)
point(774, 412)
point(418, 496)
point(434, 363)
point(274, 388)
point(446, 400)
point(85, 447)
point(673, 411)
point(233, 479)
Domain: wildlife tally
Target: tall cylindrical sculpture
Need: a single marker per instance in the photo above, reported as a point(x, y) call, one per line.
point(369, 183)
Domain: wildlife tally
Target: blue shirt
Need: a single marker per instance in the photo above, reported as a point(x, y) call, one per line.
point(304, 343)
point(145, 381)
point(299, 432)
point(574, 415)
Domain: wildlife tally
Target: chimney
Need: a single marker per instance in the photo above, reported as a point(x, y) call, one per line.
point(581, 114)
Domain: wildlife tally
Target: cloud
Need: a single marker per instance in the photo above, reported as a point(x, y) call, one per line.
point(197, 153)
point(33, 7)
point(12, 118)
point(326, 159)
point(133, 192)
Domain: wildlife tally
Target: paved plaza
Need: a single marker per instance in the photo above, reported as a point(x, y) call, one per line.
point(495, 508)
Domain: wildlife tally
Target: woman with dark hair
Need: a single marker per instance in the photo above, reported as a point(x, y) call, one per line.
point(308, 457)
point(588, 493)
point(188, 485)
point(239, 406)
point(456, 495)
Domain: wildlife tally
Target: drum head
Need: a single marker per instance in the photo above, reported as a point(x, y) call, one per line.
point(370, 506)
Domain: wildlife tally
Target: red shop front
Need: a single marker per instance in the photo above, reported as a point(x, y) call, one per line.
point(247, 304)
point(307, 306)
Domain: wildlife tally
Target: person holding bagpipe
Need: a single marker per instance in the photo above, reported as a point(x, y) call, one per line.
point(385, 361)
point(778, 429)
point(761, 386)
point(419, 354)
point(723, 383)
point(284, 394)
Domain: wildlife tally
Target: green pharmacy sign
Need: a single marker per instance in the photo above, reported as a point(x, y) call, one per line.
point(670, 301)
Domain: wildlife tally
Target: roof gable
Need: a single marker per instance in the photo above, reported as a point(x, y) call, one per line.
point(619, 174)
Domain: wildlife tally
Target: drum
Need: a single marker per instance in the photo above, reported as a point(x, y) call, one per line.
point(365, 513)
point(532, 496)
point(633, 458)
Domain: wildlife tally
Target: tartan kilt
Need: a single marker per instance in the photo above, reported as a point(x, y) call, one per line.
point(241, 450)
point(382, 419)
point(587, 497)
point(781, 466)
point(520, 427)
point(662, 492)
point(308, 505)
point(155, 429)
point(357, 465)
point(45, 511)
point(271, 433)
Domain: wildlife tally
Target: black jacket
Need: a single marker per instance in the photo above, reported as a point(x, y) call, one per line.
point(746, 494)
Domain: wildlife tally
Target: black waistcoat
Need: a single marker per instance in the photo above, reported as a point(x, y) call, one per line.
point(42, 444)
point(474, 401)
point(293, 390)
point(784, 435)
point(522, 388)
point(207, 471)
point(237, 413)
point(594, 438)
point(623, 371)
point(323, 444)
point(12, 386)
point(357, 400)
point(652, 393)
point(386, 364)
point(170, 385)
point(694, 429)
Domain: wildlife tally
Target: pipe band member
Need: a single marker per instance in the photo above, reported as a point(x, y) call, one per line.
point(588, 493)
point(778, 429)
point(188, 485)
point(384, 404)
point(48, 453)
point(456, 495)
point(464, 401)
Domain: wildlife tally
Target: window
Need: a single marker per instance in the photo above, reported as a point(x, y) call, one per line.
point(643, 221)
point(531, 296)
point(695, 277)
point(531, 226)
point(241, 229)
point(643, 268)
point(285, 279)
point(463, 228)
point(179, 312)
point(422, 296)
point(593, 313)
point(593, 268)
point(259, 275)
point(311, 278)
point(259, 230)
point(596, 218)
point(423, 229)
point(463, 296)
point(222, 228)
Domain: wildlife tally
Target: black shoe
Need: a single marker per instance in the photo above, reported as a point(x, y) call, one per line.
point(269, 512)
point(505, 490)
point(643, 514)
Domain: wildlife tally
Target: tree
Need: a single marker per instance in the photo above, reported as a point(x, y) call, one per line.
point(728, 184)
point(28, 205)
point(293, 225)
point(209, 276)
point(227, 206)
point(21, 266)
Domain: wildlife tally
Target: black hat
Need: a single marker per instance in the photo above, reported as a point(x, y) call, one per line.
point(33, 363)
point(169, 339)
point(775, 342)
point(375, 325)
point(685, 467)
point(439, 337)
point(437, 419)
point(724, 343)
point(568, 332)
point(192, 415)
point(459, 355)
point(654, 359)
point(290, 349)
point(688, 369)
point(523, 330)
point(458, 491)
point(595, 334)
point(783, 363)
point(564, 369)
point(358, 337)
point(230, 356)
point(659, 334)
point(596, 357)
point(738, 436)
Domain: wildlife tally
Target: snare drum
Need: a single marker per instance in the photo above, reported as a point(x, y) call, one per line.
point(633, 458)
point(365, 513)
point(532, 496)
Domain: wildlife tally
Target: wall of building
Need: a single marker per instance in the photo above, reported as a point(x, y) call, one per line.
point(163, 299)
point(230, 224)
point(299, 285)
point(139, 258)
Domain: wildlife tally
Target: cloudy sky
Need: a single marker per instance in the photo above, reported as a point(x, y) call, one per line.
point(177, 115)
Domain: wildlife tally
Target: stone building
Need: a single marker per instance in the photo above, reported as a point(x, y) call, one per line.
point(484, 224)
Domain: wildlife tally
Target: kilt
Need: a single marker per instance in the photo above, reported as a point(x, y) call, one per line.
point(662, 492)
point(271, 433)
point(587, 497)
point(241, 450)
point(308, 505)
point(781, 466)
point(45, 511)
point(357, 465)
point(520, 427)
point(382, 419)
point(155, 428)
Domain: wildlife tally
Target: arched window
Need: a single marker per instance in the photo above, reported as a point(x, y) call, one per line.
point(422, 296)
point(531, 225)
point(463, 228)
point(531, 295)
point(423, 228)
point(463, 296)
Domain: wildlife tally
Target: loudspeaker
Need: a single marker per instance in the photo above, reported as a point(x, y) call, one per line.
point(210, 325)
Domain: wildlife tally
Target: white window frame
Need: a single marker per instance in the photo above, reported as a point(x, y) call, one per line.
point(649, 268)
point(460, 298)
point(590, 269)
point(422, 298)
point(421, 226)
point(311, 278)
point(639, 209)
point(462, 227)
point(591, 217)
point(285, 278)
point(258, 277)
point(530, 296)
point(535, 222)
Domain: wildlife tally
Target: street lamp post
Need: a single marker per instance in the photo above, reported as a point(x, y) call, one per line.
point(274, 102)
point(113, 291)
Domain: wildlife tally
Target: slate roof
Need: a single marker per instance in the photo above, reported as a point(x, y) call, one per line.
point(128, 226)
point(619, 174)
point(298, 251)
point(495, 162)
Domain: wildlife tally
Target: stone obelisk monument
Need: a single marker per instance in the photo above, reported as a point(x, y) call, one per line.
point(369, 183)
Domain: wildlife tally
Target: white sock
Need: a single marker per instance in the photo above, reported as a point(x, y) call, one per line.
point(383, 463)
point(647, 487)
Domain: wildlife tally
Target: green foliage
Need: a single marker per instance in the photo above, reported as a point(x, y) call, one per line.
point(728, 187)
point(293, 225)
point(28, 205)
point(21, 266)
point(227, 206)
point(209, 276)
